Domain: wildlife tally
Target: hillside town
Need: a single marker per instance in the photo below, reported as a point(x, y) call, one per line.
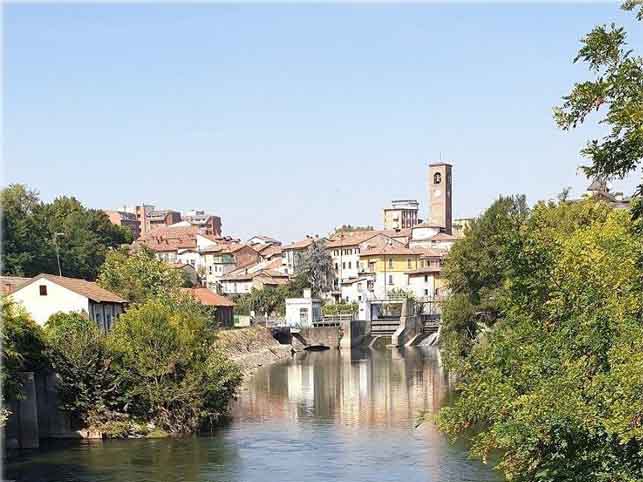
point(404, 258)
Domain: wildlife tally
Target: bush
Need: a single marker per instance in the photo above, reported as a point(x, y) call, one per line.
point(23, 348)
point(80, 357)
point(175, 378)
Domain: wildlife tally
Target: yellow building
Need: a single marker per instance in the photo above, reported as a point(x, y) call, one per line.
point(388, 267)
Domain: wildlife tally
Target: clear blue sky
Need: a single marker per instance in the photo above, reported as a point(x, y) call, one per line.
point(289, 120)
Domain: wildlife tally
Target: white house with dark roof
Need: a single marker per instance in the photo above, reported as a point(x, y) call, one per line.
point(47, 294)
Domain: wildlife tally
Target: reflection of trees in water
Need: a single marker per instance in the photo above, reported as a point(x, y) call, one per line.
point(188, 458)
point(358, 387)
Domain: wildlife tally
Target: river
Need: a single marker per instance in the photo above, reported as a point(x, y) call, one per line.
point(326, 416)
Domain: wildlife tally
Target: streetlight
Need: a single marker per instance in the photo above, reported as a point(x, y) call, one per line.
point(60, 273)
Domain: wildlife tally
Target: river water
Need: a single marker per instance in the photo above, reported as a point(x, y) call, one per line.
point(326, 416)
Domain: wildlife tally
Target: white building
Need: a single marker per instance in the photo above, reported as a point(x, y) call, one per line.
point(303, 312)
point(47, 294)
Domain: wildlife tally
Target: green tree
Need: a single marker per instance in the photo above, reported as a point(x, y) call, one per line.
point(25, 239)
point(556, 387)
point(317, 267)
point(23, 348)
point(88, 386)
point(617, 90)
point(138, 276)
point(86, 235)
point(477, 269)
point(177, 379)
point(33, 232)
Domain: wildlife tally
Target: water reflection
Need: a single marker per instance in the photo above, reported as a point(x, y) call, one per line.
point(330, 416)
point(356, 388)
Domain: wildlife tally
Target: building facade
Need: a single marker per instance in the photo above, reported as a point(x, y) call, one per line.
point(127, 220)
point(402, 214)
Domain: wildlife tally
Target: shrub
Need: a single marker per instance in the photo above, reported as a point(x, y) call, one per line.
point(174, 378)
point(80, 357)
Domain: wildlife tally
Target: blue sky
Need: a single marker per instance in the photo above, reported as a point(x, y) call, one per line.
point(290, 120)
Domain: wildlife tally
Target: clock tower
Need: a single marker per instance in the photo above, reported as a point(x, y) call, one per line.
point(440, 193)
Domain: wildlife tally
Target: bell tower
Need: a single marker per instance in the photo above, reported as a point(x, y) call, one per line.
point(440, 194)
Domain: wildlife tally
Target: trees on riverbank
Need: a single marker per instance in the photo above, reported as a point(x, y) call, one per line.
point(34, 233)
point(551, 364)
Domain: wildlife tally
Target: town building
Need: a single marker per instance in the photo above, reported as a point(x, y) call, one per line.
point(440, 196)
point(223, 307)
point(207, 223)
point(142, 213)
point(8, 284)
point(241, 280)
point(429, 236)
point(425, 282)
point(46, 294)
point(303, 312)
point(127, 220)
point(402, 214)
point(460, 225)
point(293, 255)
point(345, 249)
point(388, 267)
point(264, 240)
point(599, 189)
point(162, 218)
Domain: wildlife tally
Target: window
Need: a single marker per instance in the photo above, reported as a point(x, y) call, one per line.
point(303, 314)
point(408, 261)
point(344, 265)
point(390, 279)
point(210, 269)
point(359, 297)
point(426, 278)
point(336, 266)
point(43, 290)
point(437, 178)
point(426, 292)
point(350, 264)
point(390, 263)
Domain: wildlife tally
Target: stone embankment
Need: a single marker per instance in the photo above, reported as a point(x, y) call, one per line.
point(251, 347)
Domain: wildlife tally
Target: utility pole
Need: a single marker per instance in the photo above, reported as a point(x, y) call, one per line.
point(60, 273)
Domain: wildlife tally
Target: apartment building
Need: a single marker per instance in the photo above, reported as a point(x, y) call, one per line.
point(402, 214)
point(126, 219)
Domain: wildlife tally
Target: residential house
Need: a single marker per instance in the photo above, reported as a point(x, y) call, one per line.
point(242, 280)
point(389, 266)
point(426, 282)
point(224, 307)
point(345, 249)
point(268, 252)
point(260, 239)
point(46, 294)
point(431, 236)
point(162, 218)
point(293, 255)
point(206, 223)
point(189, 273)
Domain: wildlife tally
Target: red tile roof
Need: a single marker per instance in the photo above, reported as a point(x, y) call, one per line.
point(303, 244)
point(392, 250)
point(89, 289)
point(352, 238)
point(208, 297)
point(8, 284)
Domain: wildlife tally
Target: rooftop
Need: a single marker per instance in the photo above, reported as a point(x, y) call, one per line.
point(88, 289)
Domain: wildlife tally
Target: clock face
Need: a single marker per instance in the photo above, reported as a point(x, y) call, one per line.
point(437, 192)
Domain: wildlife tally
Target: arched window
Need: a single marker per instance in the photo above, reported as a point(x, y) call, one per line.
point(437, 178)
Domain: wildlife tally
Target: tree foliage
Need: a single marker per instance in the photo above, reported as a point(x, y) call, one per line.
point(23, 348)
point(617, 90)
point(34, 231)
point(317, 267)
point(476, 271)
point(79, 356)
point(138, 275)
point(177, 378)
point(556, 387)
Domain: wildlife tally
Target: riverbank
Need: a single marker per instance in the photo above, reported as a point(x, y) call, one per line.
point(251, 348)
